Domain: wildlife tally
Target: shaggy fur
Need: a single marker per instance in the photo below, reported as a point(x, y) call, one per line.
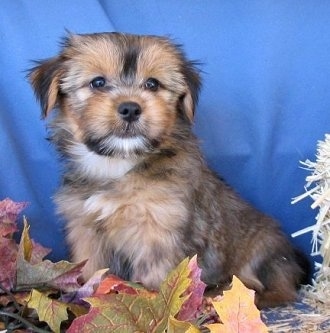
point(136, 193)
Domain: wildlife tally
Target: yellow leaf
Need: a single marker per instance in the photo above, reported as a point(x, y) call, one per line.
point(173, 288)
point(217, 328)
point(49, 310)
point(237, 311)
point(177, 326)
point(26, 246)
point(77, 310)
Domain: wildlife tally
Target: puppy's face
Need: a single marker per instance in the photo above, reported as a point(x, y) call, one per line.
point(118, 94)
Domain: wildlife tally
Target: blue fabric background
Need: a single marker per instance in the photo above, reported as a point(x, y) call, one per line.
point(264, 104)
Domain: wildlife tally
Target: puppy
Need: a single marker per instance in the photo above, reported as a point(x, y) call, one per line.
point(136, 194)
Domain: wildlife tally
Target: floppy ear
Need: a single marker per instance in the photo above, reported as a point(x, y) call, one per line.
point(193, 82)
point(45, 80)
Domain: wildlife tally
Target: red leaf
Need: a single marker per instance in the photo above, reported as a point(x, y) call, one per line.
point(9, 210)
point(195, 292)
point(7, 229)
point(38, 252)
point(8, 250)
point(115, 284)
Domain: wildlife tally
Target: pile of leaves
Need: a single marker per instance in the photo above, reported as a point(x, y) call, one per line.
point(37, 295)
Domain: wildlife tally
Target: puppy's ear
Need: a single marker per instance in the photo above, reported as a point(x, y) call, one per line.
point(45, 80)
point(193, 81)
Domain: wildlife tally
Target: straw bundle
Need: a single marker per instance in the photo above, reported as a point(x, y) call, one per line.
point(318, 188)
point(311, 312)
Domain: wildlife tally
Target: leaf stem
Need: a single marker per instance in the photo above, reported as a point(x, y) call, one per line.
point(23, 321)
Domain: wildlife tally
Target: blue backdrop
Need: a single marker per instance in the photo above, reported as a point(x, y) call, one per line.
point(264, 104)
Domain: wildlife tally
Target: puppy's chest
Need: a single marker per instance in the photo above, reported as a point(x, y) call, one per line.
point(136, 206)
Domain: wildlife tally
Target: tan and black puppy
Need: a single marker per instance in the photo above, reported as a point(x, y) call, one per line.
point(137, 195)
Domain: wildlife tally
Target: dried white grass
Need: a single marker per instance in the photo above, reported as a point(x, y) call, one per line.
point(318, 188)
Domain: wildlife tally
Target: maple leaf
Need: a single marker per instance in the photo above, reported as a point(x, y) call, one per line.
point(145, 312)
point(237, 311)
point(86, 290)
point(33, 272)
point(114, 284)
point(38, 252)
point(177, 326)
point(9, 210)
point(8, 250)
point(49, 310)
point(7, 228)
point(195, 292)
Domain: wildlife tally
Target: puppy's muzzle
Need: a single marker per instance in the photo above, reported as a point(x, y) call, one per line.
point(129, 111)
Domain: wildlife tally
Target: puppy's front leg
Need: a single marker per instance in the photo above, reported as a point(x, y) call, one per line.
point(85, 247)
point(151, 272)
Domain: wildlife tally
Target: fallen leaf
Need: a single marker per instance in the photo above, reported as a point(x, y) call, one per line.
point(33, 273)
point(5, 300)
point(9, 211)
point(194, 292)
point(146, 312)
point(38, 253)
point(8, 250)
point(7, 229)
point(237, 311)
point(177, 326)
point(114, 284)
point(86, 290)
point(218, 328)
point(115, 313)
point(76, 309)
point(49, 310)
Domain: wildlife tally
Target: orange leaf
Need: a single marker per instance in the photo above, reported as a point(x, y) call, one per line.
point(237, 311)
point(114, 284)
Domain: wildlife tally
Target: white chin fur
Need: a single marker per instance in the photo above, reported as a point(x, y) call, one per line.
point(98, 166)
point(124, 146)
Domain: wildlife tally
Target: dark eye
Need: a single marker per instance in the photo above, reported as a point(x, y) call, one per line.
point(152, 84)
point(97, 82)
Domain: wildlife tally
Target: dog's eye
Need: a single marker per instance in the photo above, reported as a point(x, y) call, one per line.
point(152, 84)
point(97, 82)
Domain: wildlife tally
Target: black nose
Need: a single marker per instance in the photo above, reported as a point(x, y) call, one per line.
point(129, 111)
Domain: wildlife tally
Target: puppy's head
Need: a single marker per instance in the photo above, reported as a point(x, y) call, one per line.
point(118, 94)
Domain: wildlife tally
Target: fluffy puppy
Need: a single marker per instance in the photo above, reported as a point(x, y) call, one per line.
point(136, 194)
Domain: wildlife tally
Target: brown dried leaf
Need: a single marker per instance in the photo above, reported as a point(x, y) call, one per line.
point(62, 275)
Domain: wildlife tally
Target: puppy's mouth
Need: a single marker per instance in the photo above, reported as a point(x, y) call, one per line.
point(121, 145)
